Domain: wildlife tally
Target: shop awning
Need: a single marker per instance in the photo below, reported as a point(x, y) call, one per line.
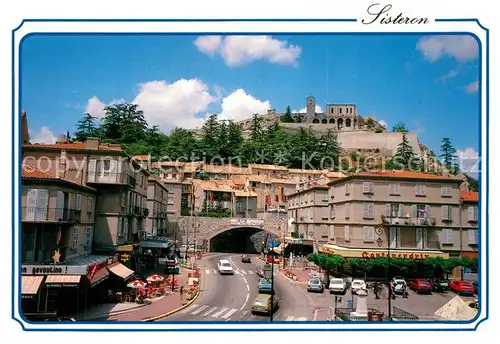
point(349, 252)
point(125, 248)
point(120, 270)
point(30, 285)
point(62, 280)
point(155, 244)
point(99, 276)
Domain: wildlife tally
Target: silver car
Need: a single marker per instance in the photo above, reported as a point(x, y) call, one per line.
point(315, 284)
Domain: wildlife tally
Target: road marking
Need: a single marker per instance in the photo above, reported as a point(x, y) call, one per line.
point(215, 272)
point(248, 287)
point(211, 310)
point(250, 272)
point(228, 314)
point(246, 300)
point(207, 271)
point(244, 313)
point(243, 272)
point(199, 310)
point(237, 271)
point(292, 318)
point(216, 315)
point(228, 319)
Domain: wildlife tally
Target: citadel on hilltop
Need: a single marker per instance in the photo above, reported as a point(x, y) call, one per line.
point(355, 133)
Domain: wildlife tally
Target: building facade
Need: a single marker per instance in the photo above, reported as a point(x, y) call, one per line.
point(156, 222)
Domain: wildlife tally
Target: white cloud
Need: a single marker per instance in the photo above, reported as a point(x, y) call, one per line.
point(43, 135)
point(173, 105)
point(472, 87)
point(95, 107)
point(469, 162)
point(318, 109)
point(462, 48)
point(240, 105)
point(240, 50)
point(208, 44)
point(383, 123)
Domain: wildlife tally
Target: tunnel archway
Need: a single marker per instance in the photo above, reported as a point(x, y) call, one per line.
point(240, 240)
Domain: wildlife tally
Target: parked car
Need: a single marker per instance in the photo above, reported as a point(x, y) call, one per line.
point(462, 287)
point(245, 258)
point(225, 267)
point(261, 270)
point(440, 285)
point(357, 284)
point(337, 285)
point(476, 287)
point(421, 285)
point(262, 304)
point(398, 285)
point(265, 286)
point(315, 284)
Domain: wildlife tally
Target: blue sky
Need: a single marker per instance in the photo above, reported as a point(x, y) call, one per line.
point(427, 82)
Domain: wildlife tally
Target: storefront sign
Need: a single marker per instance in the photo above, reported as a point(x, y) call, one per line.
point(416, 255)
point(62, 285)
point(247, 222)
point(54, 270)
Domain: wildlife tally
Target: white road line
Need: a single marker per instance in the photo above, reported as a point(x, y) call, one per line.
point(243, 272)
point(246, 300)
point(248, 287)
point(216, 315)
point(290, 318)
point(236, 271)
point(215, 272)
point(301, 319)
point(207, 271)
point(228, 314)
point(250, 272)
point(199, 310)
point(244, 279)
point(211, 310)
point(244, 313)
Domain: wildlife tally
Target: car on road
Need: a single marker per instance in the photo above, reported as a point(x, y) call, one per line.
point(357, 284)
point(245, 258)
point(398, 285)
point(262, 304)
point(315, 285)
point(421, 285)
point(225, 267)
point(265, 286)
point(440, 285)
point(337, 285)
point(262, 270)
point(462, 287)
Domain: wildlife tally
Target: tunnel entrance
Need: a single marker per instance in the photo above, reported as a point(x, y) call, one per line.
point(239, 240)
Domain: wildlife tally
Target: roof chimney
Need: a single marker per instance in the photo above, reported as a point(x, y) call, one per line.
point(24, 125)
point(92, 143)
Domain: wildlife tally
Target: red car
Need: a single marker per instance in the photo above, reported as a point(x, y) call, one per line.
point(462, 287)
point(421, 285)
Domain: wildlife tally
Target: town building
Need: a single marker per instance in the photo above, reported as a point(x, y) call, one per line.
point(156, 222)
point(369, 214)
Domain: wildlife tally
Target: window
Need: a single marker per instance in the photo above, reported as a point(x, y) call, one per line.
point(74, 242)
point(119, 231)
point(332, 192)
point(332, 211)
point(88, 239)
point(445, 191)
point(446, 212)
point(170, 199)
point(392, 210)
point(106, 165)
point(347, 188)
point(368, 210)
point(332, 232)
point(420, 190)
point(368, 188)
point(447, 236)
point(347, 232)
point(421, 238)
point(394, 190)
point(472, 236)
point(325, 196)
point(90, 204)
point(324, 213)
point(472, 213)
point(78, 203)
point(368, 233)
point(347, 210)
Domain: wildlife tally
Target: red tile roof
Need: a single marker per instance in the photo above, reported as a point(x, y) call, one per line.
point(404, 174)
point(469, 196)
point(30, 172)
point(142, 157)
point(74, 145)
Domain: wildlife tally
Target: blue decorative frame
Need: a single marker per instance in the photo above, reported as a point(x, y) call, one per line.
point(17, 109)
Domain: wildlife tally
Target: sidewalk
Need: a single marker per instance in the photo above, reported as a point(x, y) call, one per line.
point(159, 306)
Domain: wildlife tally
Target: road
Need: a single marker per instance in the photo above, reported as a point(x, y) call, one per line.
point(230, 297)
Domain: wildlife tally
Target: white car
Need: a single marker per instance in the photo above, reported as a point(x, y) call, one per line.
point(357, 284)
point(225, 267)
point(337, 285)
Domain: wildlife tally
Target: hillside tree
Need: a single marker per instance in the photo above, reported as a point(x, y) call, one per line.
point(286, 117)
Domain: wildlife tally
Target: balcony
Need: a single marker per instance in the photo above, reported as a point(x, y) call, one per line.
point(408, 221)
point(38, 214)
point(145, 211)
point(111, 179)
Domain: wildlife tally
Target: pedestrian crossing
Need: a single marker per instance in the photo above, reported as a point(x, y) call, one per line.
point(236, 272)
point(214, 313)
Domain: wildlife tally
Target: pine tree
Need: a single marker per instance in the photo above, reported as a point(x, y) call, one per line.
point(448, 155)
point(255, 128)
point(399, 128)
point(286, 117)
point(405, 157)
point(85, 128)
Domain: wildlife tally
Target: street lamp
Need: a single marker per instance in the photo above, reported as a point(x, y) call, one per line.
point(380, 231)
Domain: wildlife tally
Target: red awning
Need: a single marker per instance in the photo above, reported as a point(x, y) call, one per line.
point(99, 276)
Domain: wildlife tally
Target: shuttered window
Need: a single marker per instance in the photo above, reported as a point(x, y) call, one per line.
point(368, 233)
point(368, 210)
point(447, 236)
